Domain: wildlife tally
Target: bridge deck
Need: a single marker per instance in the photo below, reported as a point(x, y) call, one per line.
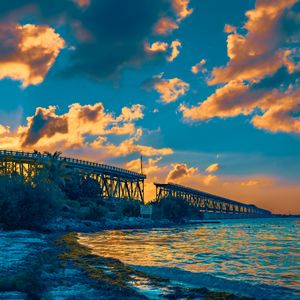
point(196, 196)
point(88, 166)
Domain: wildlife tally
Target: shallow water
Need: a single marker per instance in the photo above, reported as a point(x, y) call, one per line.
point(256, 251)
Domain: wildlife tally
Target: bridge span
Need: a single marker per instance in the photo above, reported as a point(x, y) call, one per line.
point(115, 183)
point(206, 202)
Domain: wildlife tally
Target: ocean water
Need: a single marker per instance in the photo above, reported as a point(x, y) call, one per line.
point(256, 257)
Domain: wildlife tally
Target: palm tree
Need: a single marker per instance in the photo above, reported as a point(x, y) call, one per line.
point(54, 168)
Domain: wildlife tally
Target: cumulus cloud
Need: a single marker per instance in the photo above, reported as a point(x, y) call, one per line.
point(175, 45)
point(262, 50)
point(179, 171)
point(130, 146)
point(213, 168)
point(83, 3)
point(181, 8)
point(169, 89)
point(156, 47)
point(107, 35)
point(166, 25)
point(261, 78)
point(199, 67)
point(27, 52)
point(149, 166)
point(84, 127)
point(163, 47)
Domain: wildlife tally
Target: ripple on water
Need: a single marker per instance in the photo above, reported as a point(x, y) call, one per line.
point(254, 251)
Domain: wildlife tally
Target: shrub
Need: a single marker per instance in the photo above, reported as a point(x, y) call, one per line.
point(130, 208)
point(27, 205)
point(173, 209)
point(93, 212)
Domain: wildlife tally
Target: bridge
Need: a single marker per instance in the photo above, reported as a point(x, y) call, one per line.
point(115, 183)
point(206, 202)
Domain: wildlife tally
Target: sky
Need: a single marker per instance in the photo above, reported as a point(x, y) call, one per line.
point(206, 91)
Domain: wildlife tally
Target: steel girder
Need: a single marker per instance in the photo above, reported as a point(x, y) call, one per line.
point(115, 183)
point(206, 202)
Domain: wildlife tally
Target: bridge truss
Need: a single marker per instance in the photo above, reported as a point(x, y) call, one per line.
point(207, 202)
point(115, 183)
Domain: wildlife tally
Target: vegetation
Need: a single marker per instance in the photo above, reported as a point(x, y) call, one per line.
point(175, 210)
point(27, 204)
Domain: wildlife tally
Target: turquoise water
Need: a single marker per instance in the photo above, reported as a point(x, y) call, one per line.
point(258, 252)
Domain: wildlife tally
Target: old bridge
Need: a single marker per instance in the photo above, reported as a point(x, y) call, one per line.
point(115, 183)
point(207, 202)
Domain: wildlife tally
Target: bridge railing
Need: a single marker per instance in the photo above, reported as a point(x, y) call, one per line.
point(74, 161)
point(179, 191)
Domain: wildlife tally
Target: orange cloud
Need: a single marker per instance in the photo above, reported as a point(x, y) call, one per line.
point(213, 168)
point(199, 67)
point(83, 3)
point(180, 171)
point(27, 52)
point(264, 191)
point(261, 51)
point(47, 130)
point(230, 100)
point(129, 146)
point(280, 116)
point(156, 47)
point(149, 166)
point(261, 77)
point(181, 8)
point(169, 89)
point(175, 50)
point(165, 26)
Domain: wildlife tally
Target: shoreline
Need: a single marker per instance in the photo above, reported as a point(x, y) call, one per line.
point(52, 264)
point(59, 267)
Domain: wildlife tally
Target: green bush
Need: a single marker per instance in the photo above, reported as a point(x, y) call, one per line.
point(176, 210)
point(93, 212)
point(130, 208)
point(27, 205)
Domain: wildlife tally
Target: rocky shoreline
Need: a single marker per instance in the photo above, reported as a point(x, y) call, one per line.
point(53, 265)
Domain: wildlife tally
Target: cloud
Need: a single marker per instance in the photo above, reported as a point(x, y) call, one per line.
point(27, 52)
point(84, 128)
point(261, 190)
point(179, 171)
point(149, 166)
point(129, 146)
point(106, 36)
point(209, 179)
point(175, 50)
point(4, 130)
point(163, 47)
point(213, 168)
point(261, 79)
point(259, 52)
point(181, 8)
point(169, 89)
point(156, 47)
point(165, 26)
point(83, 3)
point(199, 67)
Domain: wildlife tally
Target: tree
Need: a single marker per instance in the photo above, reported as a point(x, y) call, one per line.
point(54, 169)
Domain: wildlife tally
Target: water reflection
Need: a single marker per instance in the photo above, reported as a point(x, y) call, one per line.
point(263, 251)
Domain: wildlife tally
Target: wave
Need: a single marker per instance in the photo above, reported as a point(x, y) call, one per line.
point(242, 288)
